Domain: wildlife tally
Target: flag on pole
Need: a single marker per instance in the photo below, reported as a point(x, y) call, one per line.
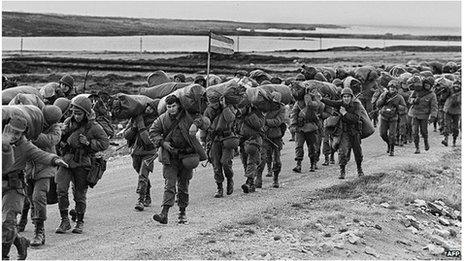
point(221, 44)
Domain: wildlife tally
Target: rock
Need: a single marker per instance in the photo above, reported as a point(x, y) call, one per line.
point(371, 251)
point(442, 232)
point(434, 208)
point(277, 237)
point(385, 205)
point(355, 220)
point(434, 250)
point(413, 229)
point(338, 245)
point(327, 234)
point(319, 226)
point(342, 229)
point(353, 239)
point(420, 203)
point(444, 221)
point(326, 247)
point(439, 202)
point(377, 226)
point(405, 222)
point(362, 224)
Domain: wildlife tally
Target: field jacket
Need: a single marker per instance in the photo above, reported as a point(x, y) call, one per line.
point(424, 104)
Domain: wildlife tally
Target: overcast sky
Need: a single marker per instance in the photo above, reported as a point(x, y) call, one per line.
point(388, 13)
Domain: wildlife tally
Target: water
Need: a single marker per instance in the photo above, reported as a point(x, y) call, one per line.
point(174, 43)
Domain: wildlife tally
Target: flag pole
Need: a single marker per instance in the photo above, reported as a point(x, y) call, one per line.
point(209, 59)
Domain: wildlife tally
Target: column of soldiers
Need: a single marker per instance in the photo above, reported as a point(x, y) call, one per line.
point(78, 128)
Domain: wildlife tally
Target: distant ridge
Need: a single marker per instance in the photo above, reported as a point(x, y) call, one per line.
point(18, 24)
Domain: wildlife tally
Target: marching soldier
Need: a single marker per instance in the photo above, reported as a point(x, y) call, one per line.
point(452, 109)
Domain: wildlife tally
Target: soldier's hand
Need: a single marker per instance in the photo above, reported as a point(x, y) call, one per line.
point(193, 129)
point(342, 110)
point(167, 146)
point(61, 163)
point(83, 139)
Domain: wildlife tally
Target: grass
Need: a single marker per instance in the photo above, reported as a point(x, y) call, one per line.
point(440, 181)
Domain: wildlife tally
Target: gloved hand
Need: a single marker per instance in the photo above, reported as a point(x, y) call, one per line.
point(61, 163)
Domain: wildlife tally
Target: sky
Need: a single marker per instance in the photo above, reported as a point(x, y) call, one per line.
point(378, 13)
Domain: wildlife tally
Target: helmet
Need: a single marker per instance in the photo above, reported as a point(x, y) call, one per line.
point(179, 76)
point(18, 123)
point(82, 102)
point(414, 82)
point(191, 161)
point(337, 82)
point(320, 77)
point(48, 90)
point(347, 91)
point(67, 80)
point(52, 114)
point(393, 83)
point(63, 104)
point(300, 77)
point(429, 80)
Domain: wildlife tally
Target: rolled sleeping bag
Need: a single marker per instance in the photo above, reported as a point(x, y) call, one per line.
point(162, 90)
point(31, 113)
point(10, 93)
point(27, 99)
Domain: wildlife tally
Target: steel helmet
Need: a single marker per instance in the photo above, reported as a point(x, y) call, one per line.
point(63, 103)
point(191, 161)
point(67, 80)
point(82, 102)
point(49, 89)
point(347, 91)
point(52, 114)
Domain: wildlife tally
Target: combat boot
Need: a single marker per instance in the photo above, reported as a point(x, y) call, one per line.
point(312, 167)
point(454, 141)
point(360, 170)
point(147, 201)
point(163, 216)
point(258, 181)
point(182, 216)
point(445, 141)
point(297, 169)
point(326, 160)
point(417, 147)
point(6, 251)
point(426, 144)
point(392, 150)
point(230, 186)
point(21, 244)
point(249, 186)
point(73, 215)
point(139, 205)
point(332, 158)
point(65, 224)
point(79, 227)
point(220, 191)
point(388, 147)
point(269, 170)
point(23, 221)
point(276, 180)
point(39, 234)
point(342, 172)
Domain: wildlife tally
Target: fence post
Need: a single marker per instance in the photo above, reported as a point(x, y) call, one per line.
point(140, 44)
point(21, 50)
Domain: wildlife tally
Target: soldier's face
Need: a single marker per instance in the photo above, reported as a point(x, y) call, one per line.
point(392, 90)
point(64, 88)
point(14, 135)
point(172, 108)
point(346, 98)
point(78, 114)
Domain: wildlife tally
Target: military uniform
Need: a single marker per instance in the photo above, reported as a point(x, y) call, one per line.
point(404, 121)
point(452, 109)
point(251, 123)
point(272, 145)
point(142, 150)
point(79, 157)
point(424, 105)
point(390, 105)
point(175, 130)
point(222, 122)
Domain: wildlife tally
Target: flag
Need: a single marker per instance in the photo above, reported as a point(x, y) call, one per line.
point(221, 44)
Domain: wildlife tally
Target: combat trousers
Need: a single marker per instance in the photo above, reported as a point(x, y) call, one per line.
point(222, 161)
point(176, 175)
point(451, 124)
point(36, 191)
point(250, 161)
point(12, 204)
point(416, 125)
point(327, 140)
point(78, 177)
point(350, 141)
point(311, 142)
point(143, 185)
point(271, 153)
point(388, 130)
point(318, 144)
point(402, 125)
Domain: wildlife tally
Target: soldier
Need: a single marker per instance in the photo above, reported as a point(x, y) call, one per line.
point(452, 109)
point(390, 104)
point(179, 77)
point(174, 131)
point(274, 130)
point(200, 80)
point(142, 150)
point(305, 122)
point(404, 121)
point(351, 130)
point(13, 193)
point(38, 175)
point(250, 124)
point(67, 84)
point(424, 108)
point(82, 137)
point(221, 142)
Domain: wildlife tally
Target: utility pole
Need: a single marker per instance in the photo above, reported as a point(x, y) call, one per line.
point(238, 43)
point(21, 50)
point(320, 43)
point(140, 44)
